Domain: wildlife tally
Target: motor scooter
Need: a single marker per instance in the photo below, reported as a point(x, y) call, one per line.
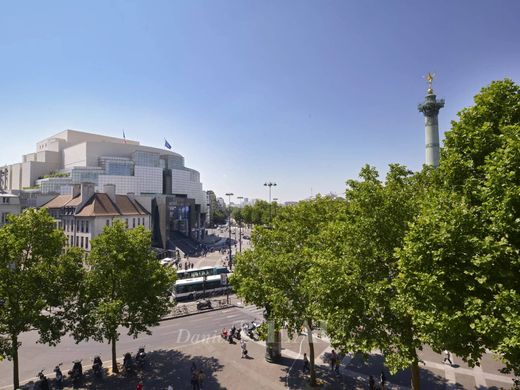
point(76, 373)
point(97, 367)
point(128, 363)
point(43, 382)
point(59, 377)
point(140, 357)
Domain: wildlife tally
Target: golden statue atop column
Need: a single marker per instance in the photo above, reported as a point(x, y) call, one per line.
point(429, 77)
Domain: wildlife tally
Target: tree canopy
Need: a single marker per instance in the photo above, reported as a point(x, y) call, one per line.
point(125, 286)
point(38, 281)
point(461, 259)
point(357, 296)
point(274, 274)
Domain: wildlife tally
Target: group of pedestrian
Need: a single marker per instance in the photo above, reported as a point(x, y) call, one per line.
point(188, 265)
point(197, 377)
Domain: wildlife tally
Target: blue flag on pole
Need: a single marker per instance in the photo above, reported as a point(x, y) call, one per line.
point(166, 144)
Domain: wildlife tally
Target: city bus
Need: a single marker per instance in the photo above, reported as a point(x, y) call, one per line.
point(195, 288)
point(199, 272)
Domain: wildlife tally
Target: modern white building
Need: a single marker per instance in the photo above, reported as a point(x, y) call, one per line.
point(171, 191)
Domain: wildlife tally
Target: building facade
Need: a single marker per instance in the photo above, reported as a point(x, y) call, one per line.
point(154, 175)
point(84, 214)
point(9, 205)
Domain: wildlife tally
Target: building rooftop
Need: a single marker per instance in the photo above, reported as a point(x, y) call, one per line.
point(99, 204)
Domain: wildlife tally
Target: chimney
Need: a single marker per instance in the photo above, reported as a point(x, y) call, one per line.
point(110, 190)
point(76, 190)
point(131, 196)
point(87, 190)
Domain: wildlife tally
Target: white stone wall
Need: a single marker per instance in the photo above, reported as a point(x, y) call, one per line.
point(75, 156)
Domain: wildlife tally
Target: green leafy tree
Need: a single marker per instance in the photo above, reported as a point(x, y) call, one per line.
point(219, 217)
point(275, 274)
point(357, 267)
point(236, 214)
point(126, 286)
point(246, 212)
point(38, 282)
point(461, 259)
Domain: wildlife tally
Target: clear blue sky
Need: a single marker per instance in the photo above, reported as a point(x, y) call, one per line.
point(302, 93)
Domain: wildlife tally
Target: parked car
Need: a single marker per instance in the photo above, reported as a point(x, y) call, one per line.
point(204, 304)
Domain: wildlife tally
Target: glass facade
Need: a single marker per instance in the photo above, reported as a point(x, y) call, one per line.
point(174, 162)
point(117, 166)
point(53, 184)
point(85, 174)
point(146, 159)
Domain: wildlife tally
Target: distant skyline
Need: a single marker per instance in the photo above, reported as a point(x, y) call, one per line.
point(301, 93)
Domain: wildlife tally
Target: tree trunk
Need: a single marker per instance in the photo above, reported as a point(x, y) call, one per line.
point(311, 352)
point(115, 370)
point(416, 380)
point(16, 377)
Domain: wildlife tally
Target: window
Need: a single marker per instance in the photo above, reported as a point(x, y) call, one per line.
point(86, 226)
point(86, 242)
point(81, 245)
point(107, 222)
point(77, 241)
point(133, 222)
point(126, 222)
point(77, 226)
point(82, 223)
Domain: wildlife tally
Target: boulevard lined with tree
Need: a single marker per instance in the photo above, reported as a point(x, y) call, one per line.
point(431, 257)
point(56, 290)
point(425, 258)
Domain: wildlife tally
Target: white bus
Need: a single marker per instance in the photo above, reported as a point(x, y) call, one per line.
point(201, 287)
point(199, 272)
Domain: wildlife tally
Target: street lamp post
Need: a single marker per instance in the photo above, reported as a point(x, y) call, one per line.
point(229, 195)
point(240, 228)
point(269, 184)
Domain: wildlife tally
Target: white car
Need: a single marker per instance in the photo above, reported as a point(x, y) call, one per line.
point(167, 261)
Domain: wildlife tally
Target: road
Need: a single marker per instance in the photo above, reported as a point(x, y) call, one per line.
point(175, 342)
point(171, 334)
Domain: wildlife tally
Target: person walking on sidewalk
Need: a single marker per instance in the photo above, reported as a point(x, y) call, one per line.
point(333, 358)
point(383, 380)
point(336, 365)
point(447, 357)
point(243, 347)
point(371, 383)
point(306, 367)
point(200, 377)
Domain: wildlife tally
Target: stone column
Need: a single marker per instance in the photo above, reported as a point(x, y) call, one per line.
point(430, 108)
